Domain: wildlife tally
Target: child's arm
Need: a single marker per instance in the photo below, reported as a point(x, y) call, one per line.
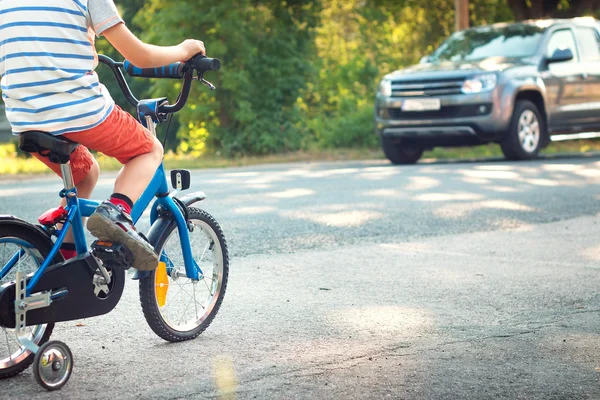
point(145, 55)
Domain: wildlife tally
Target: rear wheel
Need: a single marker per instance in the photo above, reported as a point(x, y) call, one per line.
point(29, 250)
point(401, 154)
point(527, 132)
point(176, 307)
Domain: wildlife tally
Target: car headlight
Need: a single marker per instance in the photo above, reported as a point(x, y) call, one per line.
point(385, 88)
point(480, 83)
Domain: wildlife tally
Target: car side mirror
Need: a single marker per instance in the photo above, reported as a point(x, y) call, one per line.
point(560, 55)
point(424, 60)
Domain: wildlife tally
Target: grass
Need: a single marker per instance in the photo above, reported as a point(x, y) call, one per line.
point(494, 151)
point(13, 164)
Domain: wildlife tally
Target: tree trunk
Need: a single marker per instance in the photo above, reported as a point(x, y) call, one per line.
point(461, 9)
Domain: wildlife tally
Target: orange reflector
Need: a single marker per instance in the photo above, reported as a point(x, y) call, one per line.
point(162, 283)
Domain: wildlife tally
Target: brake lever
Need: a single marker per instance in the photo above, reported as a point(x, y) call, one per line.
point(207, 83)
point(200, 78)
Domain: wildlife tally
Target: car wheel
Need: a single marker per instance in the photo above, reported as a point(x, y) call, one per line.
point(399, 154)
point(526, 134)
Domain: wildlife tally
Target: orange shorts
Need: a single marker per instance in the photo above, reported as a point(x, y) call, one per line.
point(120, 136)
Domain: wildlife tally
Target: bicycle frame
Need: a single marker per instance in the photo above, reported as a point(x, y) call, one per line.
point(78, 208)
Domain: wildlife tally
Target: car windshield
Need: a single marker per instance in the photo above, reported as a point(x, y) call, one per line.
point(512, 41)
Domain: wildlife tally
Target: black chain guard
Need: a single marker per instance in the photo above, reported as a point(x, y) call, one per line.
point(77, 277)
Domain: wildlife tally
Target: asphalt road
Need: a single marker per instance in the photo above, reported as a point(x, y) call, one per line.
point(364, 280)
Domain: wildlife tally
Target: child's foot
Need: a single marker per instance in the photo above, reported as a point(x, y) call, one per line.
point(109, 223)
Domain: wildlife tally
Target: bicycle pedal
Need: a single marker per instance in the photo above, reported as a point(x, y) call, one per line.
point(112, 254)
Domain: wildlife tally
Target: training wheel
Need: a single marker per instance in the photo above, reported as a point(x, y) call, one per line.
point(52, 365)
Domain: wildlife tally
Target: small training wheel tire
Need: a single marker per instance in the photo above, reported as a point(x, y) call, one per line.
point(52, 365)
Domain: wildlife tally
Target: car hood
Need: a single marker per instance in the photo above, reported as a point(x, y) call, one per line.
point(462, 69)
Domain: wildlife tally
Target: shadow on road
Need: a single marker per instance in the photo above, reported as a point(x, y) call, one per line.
point(310, 205)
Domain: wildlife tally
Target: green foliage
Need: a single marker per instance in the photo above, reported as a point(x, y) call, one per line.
point(263, 46)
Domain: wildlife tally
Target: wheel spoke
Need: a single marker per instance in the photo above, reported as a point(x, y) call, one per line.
point(195, 302)
point(523, 120)
point(8, 345)
point(184, 310)
point(535, 127)
point(204, 252)
point(207, 286)
point(191, 296)
point(20, 262)
point(175, 295)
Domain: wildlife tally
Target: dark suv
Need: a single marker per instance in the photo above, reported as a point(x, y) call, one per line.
point(512, 84)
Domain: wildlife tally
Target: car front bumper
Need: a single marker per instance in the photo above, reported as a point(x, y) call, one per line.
point(462, 119)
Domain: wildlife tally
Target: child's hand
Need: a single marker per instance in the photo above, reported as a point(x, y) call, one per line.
point(191, 47)
point(145, 55)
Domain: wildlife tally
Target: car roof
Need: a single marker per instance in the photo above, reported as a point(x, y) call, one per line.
point(547, 23)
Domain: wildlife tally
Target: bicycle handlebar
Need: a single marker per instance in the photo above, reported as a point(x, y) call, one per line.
point(203, 63)
point(199, 63)
point(174, 71)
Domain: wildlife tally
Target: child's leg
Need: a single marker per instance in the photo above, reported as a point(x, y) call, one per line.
point(85, 187)
point(135, 176)
point(85, 176)
point(121, 136)
point(84, 191)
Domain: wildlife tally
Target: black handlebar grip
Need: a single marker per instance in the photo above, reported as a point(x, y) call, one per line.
point(175, 71)
point(203, 64)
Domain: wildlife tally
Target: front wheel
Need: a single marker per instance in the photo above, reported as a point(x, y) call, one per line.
point(400, 154)
point(526, 134)
point(176, 307)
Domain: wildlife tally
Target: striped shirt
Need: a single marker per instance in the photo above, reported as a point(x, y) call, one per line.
point(47, 62)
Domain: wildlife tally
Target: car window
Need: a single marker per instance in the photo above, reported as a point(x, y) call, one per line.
point(562, 40)
point(590, 44)
point(512, 41)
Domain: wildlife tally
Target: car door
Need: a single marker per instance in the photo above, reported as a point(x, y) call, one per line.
point(589, 43)
point(564, 82)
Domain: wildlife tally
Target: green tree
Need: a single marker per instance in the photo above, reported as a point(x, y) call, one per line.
point(265, 48)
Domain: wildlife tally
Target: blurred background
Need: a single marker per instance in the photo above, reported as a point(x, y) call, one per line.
point(301, 75)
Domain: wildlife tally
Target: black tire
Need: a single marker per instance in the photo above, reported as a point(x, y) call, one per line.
point(148, 296)
point(516, 148)
point(399, 154)
point(43, 247)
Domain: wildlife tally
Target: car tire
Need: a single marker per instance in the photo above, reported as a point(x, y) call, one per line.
point(527, 132)
point(399, 154)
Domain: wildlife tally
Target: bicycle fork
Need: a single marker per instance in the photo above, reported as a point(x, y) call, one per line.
point(192, 269)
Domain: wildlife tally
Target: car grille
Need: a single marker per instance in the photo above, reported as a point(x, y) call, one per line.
point(427, 88)
point(444, 112)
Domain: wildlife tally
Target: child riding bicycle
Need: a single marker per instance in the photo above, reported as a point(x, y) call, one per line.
point(52, 87)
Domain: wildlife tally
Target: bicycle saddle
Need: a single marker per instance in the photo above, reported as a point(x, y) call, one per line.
point(59, 148)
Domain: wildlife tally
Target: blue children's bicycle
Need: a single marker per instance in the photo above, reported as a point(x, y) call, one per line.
point(39, 288)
